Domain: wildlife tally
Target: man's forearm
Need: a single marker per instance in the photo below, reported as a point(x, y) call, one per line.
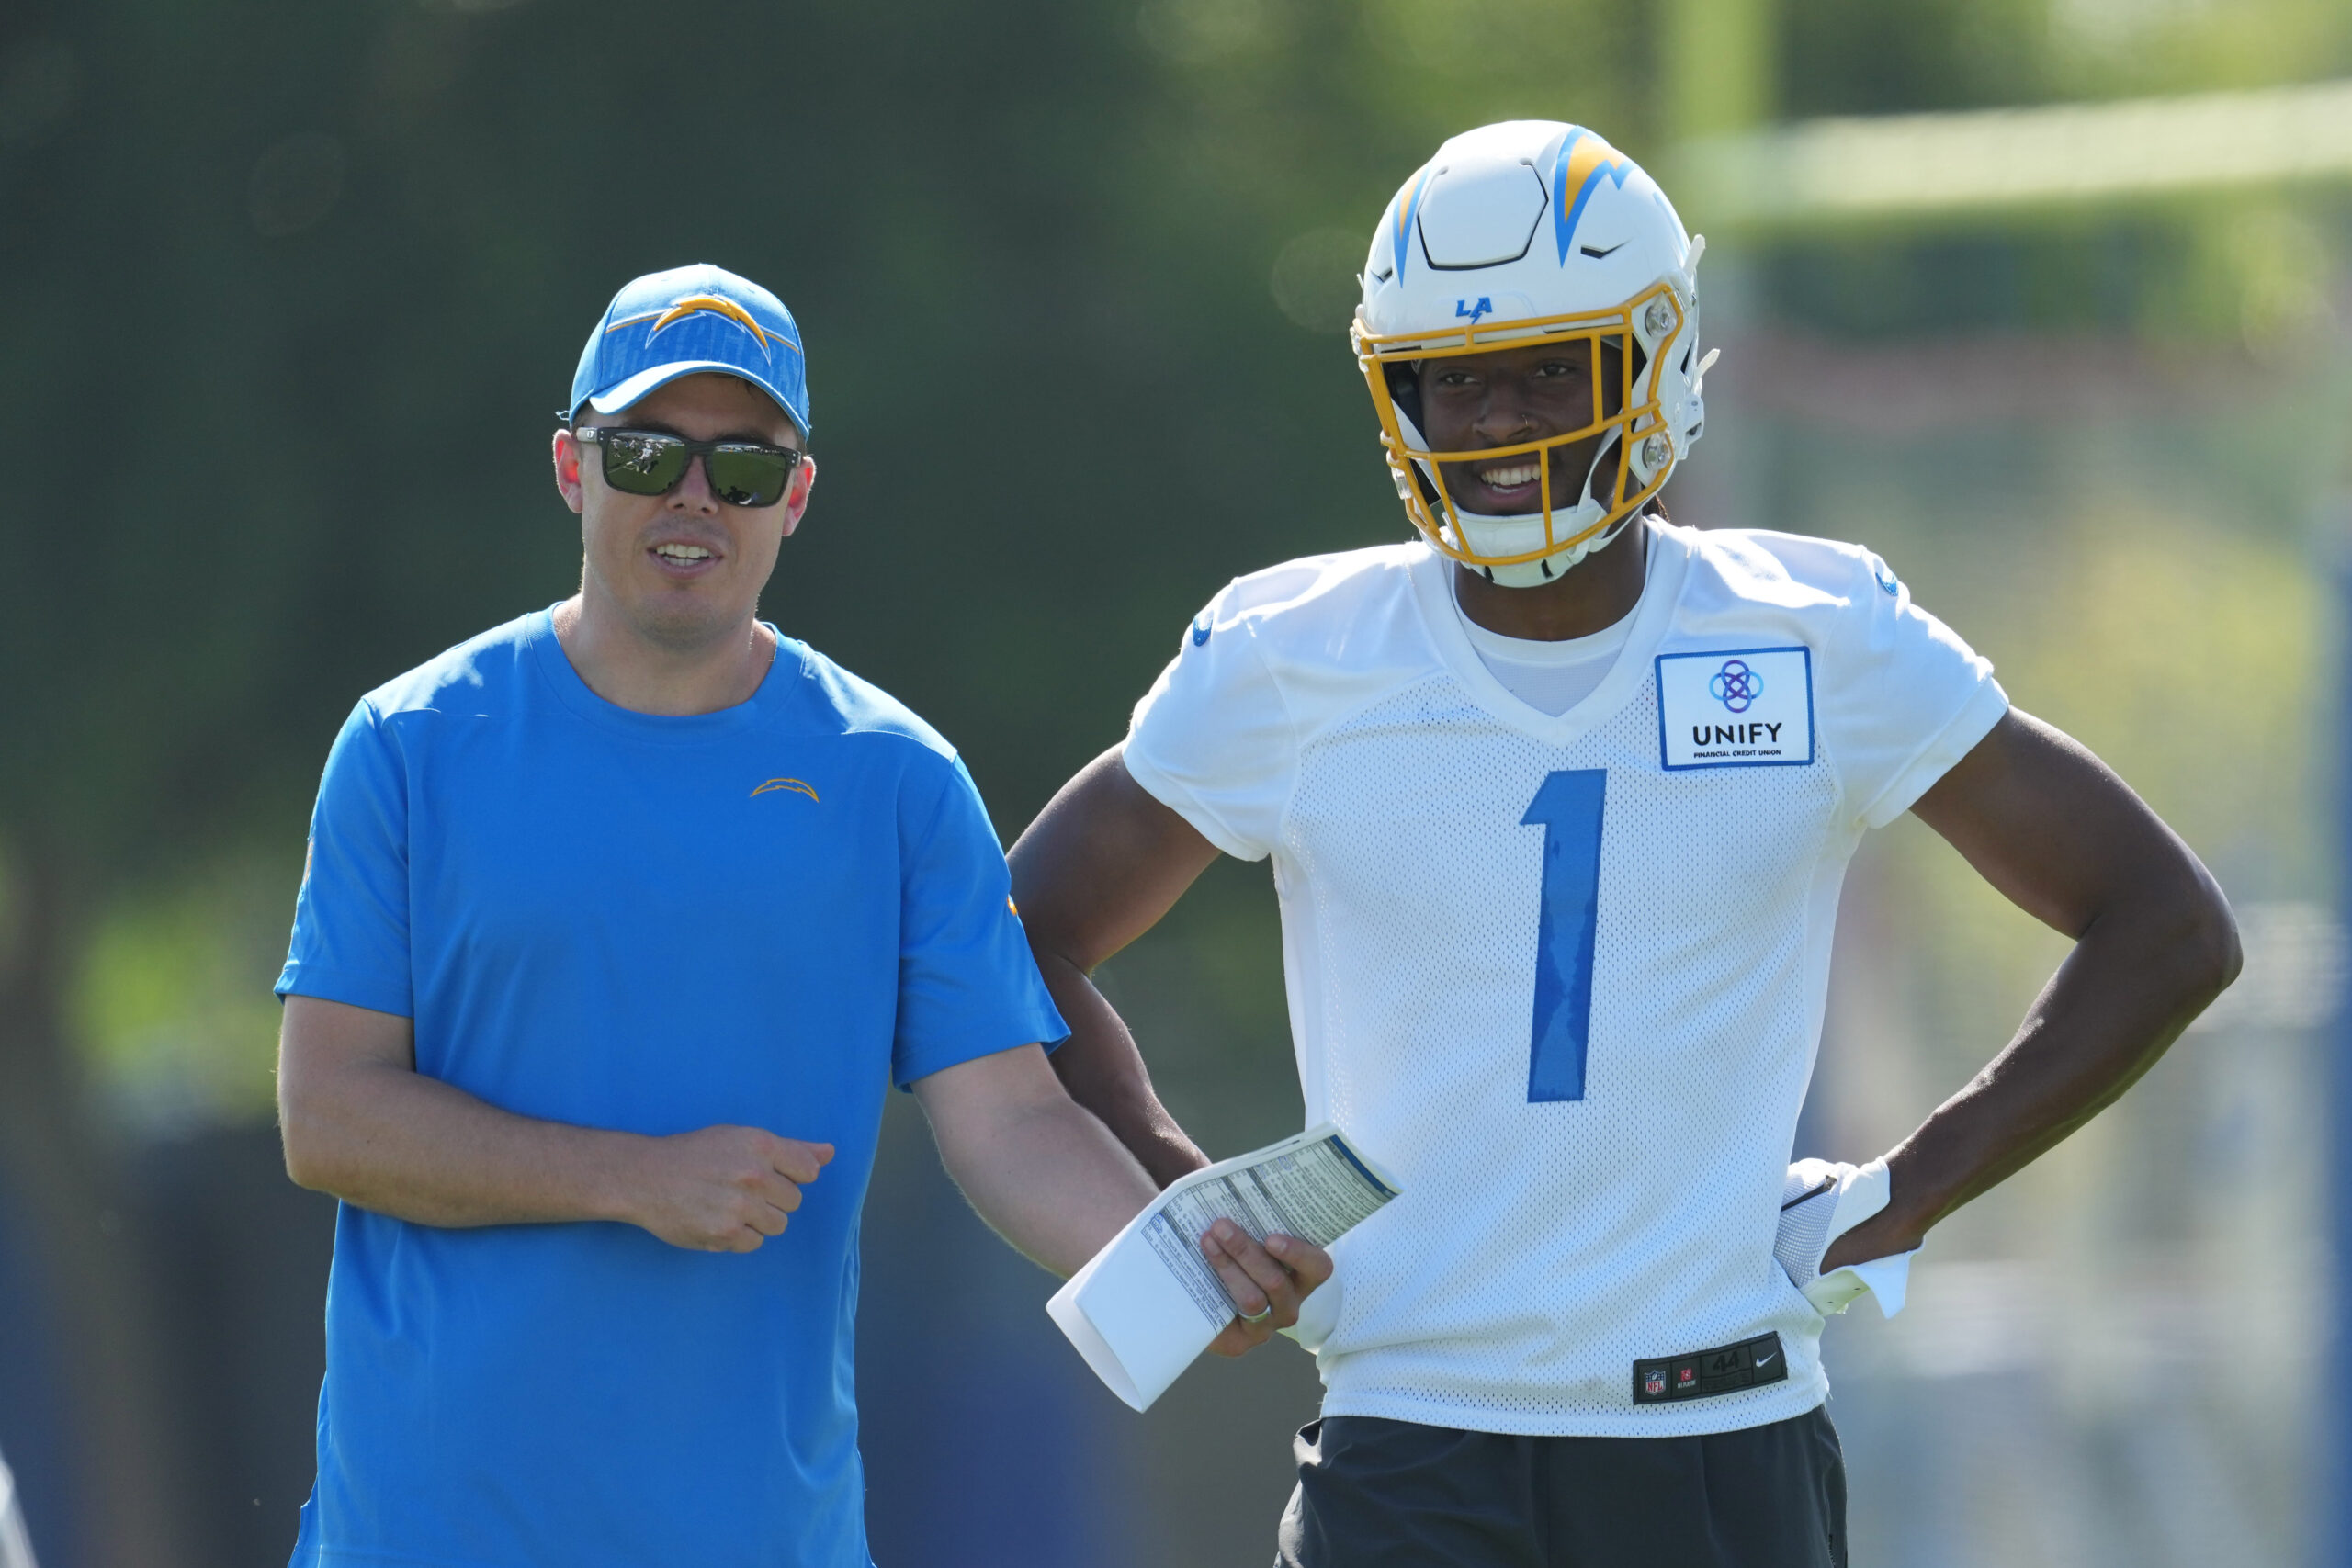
point(401, 1144)
point(1101, 1067)
point(2133, 982)
point(1046, 1175)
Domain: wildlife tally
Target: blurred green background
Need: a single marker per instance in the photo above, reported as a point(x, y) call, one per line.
point(295, 287)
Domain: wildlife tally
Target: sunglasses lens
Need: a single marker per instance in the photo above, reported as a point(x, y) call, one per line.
point(642, 463)
point(749, 475)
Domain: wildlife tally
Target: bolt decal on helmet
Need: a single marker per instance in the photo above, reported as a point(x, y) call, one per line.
point(1455, 269)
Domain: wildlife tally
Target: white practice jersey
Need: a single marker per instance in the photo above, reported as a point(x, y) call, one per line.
point(1564, 976)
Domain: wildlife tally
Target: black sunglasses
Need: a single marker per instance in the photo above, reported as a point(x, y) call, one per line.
point(647, 462)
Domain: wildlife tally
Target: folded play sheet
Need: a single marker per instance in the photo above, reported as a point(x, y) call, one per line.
point(1148, 1303)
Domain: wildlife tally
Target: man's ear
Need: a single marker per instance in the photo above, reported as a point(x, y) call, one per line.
point(795, 497)
point(566, 470)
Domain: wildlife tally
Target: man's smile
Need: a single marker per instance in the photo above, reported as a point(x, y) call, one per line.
point(684, 559)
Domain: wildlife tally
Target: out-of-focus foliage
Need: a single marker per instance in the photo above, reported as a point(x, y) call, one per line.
point(166, 1001)
point(2250, 272)
point(2107, 48)
point(1843, 57)
point(1854, 56)
point(2249, 266)
point(2195, 655)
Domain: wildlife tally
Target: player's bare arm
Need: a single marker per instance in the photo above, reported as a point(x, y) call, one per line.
point(2067, 841)
point(361, 1123)
point(1099, 867)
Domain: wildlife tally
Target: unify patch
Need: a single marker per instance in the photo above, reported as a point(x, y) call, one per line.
point(1724, 1370)
point(1739, 707)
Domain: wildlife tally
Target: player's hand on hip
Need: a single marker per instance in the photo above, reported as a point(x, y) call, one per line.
point(1266, 1283)
point(724, 1188)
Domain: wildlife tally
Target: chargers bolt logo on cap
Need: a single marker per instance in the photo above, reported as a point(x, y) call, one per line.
point(692, 319)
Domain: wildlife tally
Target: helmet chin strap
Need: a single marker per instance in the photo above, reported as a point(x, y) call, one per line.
point(1519, 533)
point(1545, 569)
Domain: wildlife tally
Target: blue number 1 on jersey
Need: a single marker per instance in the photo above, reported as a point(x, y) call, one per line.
point(1568, 808)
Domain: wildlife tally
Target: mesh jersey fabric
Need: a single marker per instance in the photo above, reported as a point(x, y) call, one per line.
point(1330, 713)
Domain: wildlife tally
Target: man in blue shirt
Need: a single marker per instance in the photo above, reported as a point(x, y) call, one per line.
point(618, 921)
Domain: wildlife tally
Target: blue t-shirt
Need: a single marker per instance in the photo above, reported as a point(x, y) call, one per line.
point(760, 917)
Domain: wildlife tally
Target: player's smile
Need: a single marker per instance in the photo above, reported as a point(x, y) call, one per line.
point(1516, 484)
point(1509, 398)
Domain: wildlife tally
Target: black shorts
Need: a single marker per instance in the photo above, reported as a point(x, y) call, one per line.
point(1378, 1493)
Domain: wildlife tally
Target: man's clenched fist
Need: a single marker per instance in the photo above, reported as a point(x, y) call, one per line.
point(722, 1188)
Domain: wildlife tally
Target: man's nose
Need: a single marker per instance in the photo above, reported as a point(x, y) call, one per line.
point(694, 492)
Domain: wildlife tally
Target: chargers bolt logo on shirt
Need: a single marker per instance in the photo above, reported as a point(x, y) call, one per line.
point(1735, 685)
point(1735, 707)
point(794, 785)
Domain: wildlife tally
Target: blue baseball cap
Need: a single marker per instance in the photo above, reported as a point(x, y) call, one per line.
point(691, 318)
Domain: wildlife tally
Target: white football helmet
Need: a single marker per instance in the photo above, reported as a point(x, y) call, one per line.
point(1535, 230)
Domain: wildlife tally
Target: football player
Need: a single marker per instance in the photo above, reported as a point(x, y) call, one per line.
point(1559, 796)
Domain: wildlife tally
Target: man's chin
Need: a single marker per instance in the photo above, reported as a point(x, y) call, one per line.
point(686, 616)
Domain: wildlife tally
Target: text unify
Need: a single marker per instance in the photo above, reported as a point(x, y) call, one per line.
point(1733, 734)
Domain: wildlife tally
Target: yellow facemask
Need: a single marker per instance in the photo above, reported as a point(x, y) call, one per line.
point(1643, 333)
